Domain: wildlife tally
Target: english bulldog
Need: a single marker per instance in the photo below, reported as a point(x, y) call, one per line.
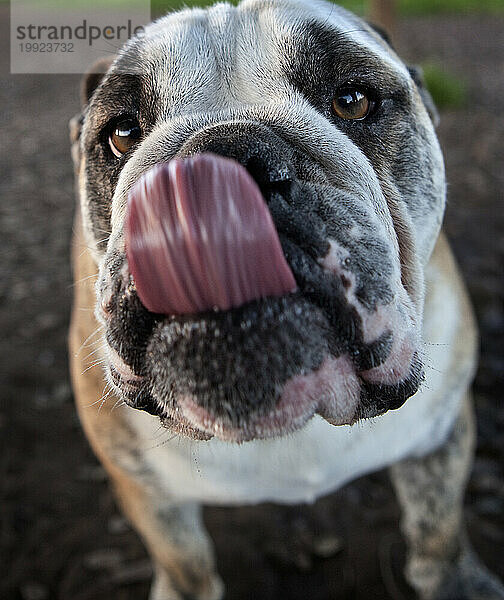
point(259, 259)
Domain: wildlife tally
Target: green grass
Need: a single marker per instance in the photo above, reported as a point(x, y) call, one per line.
point(434, 7)
point(420, 7)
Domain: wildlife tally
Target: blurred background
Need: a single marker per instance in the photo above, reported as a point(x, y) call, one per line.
point(61, 535)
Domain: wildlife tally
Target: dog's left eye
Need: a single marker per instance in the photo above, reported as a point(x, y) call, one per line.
point(352, 104)
point(124, 136)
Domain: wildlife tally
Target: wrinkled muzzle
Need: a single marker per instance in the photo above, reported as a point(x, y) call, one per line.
point(254, 294)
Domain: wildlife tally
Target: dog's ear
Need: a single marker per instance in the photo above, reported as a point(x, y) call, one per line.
point(417, 76)
point(93, 77)
point(75, 127)
point(90, 81)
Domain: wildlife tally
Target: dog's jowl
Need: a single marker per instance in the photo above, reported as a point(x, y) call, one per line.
point(261, 194)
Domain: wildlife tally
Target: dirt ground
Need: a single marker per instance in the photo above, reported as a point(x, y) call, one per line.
point(61, 535)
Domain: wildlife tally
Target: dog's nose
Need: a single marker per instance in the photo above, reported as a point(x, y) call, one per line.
point(265, 155)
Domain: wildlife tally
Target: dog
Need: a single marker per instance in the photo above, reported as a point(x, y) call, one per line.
point(261, 193)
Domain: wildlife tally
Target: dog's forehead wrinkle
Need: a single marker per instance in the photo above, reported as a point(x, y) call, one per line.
point(225, 59)
point(336, 22)
point(182, 69)
point(207, 58)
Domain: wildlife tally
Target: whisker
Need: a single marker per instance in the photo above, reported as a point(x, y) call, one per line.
point(162, 443)
point(85, 247)
point(104, 398)
point(106, 389)
point(75, 283)
point(83, 345)
point(120, 402)
point(102, 361)
point(100, 347)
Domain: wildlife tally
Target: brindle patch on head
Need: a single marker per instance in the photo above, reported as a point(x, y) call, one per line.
point(118, 96)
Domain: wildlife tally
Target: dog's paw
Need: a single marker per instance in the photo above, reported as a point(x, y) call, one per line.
point(470, 580)
point(207, 588)
point(299, 539)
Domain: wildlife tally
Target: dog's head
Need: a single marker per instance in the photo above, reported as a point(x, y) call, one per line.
point(262, 188)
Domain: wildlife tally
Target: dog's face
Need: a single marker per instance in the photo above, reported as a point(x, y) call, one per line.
point(333, 147)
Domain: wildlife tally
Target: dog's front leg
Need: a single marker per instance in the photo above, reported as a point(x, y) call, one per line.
point(441, 564)
point(179, 546)
point(173, 532)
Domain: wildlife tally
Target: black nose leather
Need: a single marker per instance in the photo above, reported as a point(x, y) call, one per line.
point(266, 156)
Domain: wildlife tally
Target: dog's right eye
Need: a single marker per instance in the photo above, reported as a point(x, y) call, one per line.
point(353, 104)
point(124, 136)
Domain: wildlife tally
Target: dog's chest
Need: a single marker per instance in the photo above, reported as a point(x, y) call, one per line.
point(298, 468)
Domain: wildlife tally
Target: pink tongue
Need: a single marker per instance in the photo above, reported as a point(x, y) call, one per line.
point(199, 236)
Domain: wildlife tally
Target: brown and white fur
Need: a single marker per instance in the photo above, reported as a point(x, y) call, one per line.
point(219, 80)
